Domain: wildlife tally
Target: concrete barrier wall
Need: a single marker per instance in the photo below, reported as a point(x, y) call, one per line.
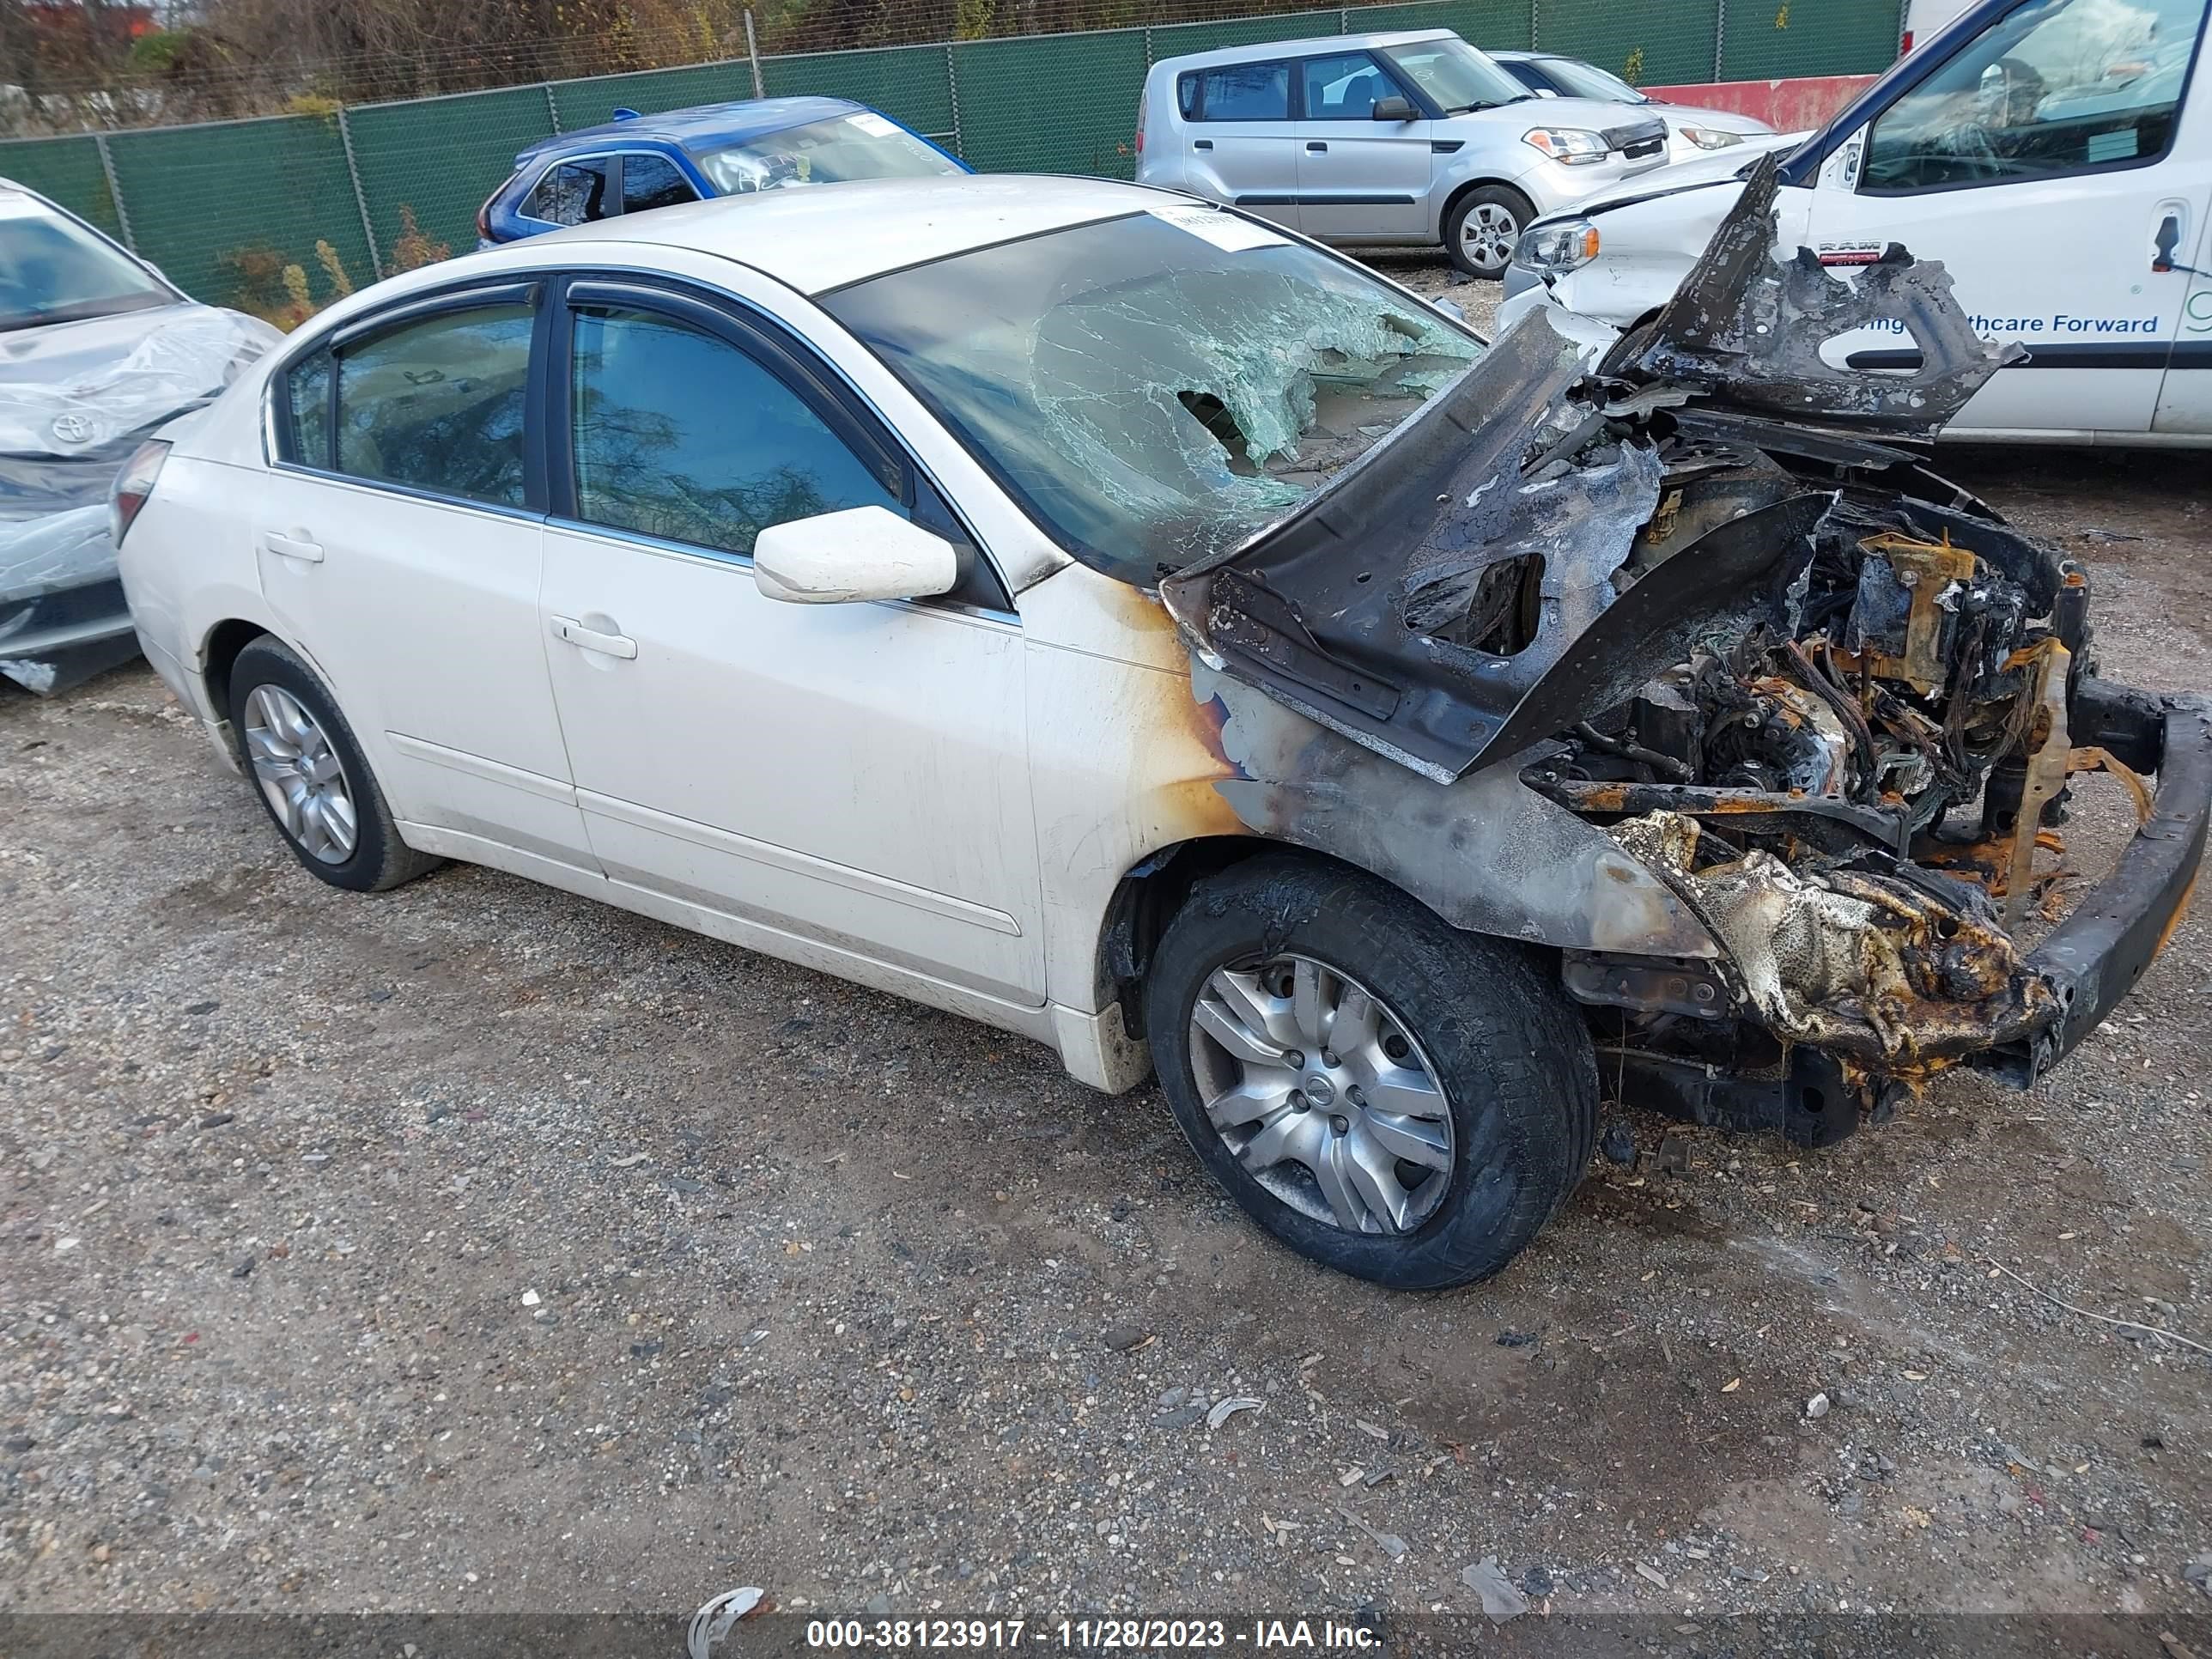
point(1791, 106)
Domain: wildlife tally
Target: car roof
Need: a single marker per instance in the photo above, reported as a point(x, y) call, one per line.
point(696, 128)
point(1260, 50)
point(826, 237)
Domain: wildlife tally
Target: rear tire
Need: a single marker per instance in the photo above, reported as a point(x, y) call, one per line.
point(1335, 1144)
point(1483, 227)
point(310, 776)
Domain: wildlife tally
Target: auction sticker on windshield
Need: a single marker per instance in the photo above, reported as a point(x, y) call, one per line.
point(1224, 230)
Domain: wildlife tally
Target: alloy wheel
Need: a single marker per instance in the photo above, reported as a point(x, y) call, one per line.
point(1321, 1094)
point(301, 775)
point(1489, 233)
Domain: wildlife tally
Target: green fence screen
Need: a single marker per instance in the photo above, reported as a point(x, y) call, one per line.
point(278, 216)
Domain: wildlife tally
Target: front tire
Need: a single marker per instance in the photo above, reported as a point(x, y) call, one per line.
point(1483, 228)
point(1387, 1095)
point(313, 781)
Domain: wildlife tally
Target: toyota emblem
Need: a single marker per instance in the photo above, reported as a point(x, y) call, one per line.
point(74, 429)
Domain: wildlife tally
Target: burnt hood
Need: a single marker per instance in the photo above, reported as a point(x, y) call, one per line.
point(1474, 586)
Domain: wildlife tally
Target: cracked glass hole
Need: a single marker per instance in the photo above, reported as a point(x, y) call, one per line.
point(1213, 415)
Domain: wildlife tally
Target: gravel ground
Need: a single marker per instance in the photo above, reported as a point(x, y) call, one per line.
point(477, 1248)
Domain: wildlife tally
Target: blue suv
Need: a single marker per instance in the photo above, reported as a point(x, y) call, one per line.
point(636, 162)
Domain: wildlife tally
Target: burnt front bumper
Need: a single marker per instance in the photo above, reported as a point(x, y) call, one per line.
point(2094, 958)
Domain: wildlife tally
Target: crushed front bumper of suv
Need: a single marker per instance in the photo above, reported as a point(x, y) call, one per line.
point(1671, 654)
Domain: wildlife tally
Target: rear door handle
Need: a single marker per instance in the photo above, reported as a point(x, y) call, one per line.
point(293, 547)
point(589, 639)
point(1202, 143)
point(1316, 147)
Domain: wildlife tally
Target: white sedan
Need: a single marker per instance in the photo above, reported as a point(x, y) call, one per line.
point(925, 582)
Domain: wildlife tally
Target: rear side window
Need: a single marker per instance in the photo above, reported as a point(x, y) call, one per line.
point(437, 405)
point(1345, 88)
point(307, 399)
point(653, 181)
point(1187, 95)
point(679, 435)
point(1245, 92)
point(574, 194)
point(2053, 88)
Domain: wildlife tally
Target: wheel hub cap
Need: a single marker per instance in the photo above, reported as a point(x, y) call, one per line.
point(299, 774)
point(1321, 1093)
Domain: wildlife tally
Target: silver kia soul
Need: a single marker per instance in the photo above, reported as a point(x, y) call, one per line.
point(1383, 138)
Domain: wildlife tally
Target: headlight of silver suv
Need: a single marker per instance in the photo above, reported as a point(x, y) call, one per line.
point(1572, 145)
point(1558, 247)
point(1709, 137)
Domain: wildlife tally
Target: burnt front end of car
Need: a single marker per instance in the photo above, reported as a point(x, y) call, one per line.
point(1697, 592)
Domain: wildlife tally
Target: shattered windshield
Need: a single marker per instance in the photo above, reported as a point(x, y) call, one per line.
point(862, 145)
point(1156, 388)
point(52, 271)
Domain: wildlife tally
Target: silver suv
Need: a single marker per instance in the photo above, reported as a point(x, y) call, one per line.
point(1383, 138)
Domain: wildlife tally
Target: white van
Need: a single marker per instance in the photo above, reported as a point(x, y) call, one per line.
point(2054, 155)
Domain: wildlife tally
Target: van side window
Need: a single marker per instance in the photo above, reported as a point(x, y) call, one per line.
point(1346, 88)
point(1187, 95)
point(1246, 92)
point(2053, 88)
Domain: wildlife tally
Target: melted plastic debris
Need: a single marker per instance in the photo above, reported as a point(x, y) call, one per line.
point(1865, 964)
point(1251, 394)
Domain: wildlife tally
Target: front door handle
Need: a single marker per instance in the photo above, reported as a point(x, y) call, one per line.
point(590, 639)
point(2164, 244)
point(293, 547)
point(1316, 147)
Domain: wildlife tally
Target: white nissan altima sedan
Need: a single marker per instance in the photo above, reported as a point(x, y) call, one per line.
point(943, 585)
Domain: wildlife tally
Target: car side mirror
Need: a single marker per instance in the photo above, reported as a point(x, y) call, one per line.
point(1395, 109)
point(861, 553)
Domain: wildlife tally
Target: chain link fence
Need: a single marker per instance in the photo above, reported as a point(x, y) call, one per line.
point(279, 215)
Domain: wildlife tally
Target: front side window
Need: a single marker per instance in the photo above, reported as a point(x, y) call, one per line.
point(1346, 88)
point(53, 269)
point(2053, 87)
point(1246, 92)
point(653, 181)
point(437, 404)
point(1454, 76)
point(574, 194)
point(861, 145)
point(677, 433)
point(1160, 387)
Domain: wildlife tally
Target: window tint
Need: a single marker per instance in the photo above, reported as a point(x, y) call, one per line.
point(2052, 88)
point(653, 181)
point(438, 405)
point(679, 435)
point(1345, 88)
point(574, 194)
point(308, 389)
point(1248, 92)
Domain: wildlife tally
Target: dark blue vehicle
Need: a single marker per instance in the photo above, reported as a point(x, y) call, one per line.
point(636, 162)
